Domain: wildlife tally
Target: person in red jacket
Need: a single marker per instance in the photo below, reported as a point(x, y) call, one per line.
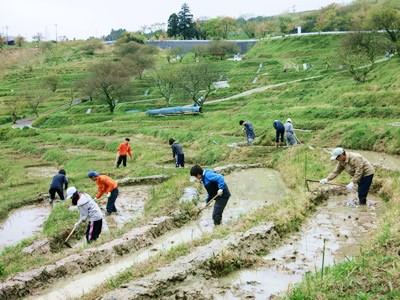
point(108, 186)
point(124, 149)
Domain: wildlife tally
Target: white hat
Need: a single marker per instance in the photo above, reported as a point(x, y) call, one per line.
point(336, 152)
point(70, 191)
point(289, 120)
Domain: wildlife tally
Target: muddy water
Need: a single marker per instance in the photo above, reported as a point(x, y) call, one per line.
point(343, 227)
point(23, 223)
point(130, 204)
point(266, 188)
point(382, 159)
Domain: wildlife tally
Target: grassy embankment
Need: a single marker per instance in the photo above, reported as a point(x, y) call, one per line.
point(339, 111)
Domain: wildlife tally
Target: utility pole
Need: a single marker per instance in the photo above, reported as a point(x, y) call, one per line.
point(294, 8)
point(7, 34)
point(56, 31)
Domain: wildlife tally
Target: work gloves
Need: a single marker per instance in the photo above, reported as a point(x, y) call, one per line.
point(95, 199)
point(220, 191)
point(77, 224)
point(324, 181)
point(350, 186)
point(108, 194)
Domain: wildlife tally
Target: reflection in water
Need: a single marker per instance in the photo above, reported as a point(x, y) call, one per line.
point(22, 224)
point(343, 228)
point(266, 188)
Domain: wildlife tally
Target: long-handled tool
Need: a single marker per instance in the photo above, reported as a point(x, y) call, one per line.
point(66, 240)
point(337, 184)
point(116, 160)
point(208, 204)
point(313, 180)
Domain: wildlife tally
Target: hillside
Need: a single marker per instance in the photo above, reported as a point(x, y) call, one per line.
point(328, 109)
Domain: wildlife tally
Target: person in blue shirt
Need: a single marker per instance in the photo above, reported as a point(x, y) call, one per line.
point(215, 184)
point(56, 185)
point(248, 128)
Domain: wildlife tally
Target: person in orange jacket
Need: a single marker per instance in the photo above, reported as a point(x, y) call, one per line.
point(108, 186)
point(124, 149)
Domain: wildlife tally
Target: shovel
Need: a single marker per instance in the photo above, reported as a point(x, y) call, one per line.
point(66, 240)
point(208, 204)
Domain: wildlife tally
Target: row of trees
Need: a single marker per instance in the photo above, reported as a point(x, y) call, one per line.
point(359, 15)
point(112, 80)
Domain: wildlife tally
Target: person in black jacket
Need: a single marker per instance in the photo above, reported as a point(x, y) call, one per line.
point(280, 131)
point(56, 185)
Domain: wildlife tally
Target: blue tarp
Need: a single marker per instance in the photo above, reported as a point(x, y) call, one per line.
point(175, 110)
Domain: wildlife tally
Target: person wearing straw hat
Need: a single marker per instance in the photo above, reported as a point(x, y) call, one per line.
point(357, 166)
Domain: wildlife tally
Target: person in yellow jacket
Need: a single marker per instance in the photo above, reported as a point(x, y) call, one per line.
point(124, 149)
point(357, 166)
point(108, 186)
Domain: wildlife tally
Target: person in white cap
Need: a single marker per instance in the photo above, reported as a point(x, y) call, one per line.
point(358, 167)
point(290, 136)
point(88, 209)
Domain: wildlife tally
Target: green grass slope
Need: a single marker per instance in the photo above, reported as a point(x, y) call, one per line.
point(332, 109)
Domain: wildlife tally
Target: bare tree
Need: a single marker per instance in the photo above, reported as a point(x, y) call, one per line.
point(197, 80)
point(109, 79)
point(222, 48)
point(166, 80)
point(358, 53)
point(33, 99)
point(13, 106)
point(50, 82)
point(144, 58)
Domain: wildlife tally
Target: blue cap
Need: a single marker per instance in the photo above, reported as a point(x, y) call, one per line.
point(92, 174)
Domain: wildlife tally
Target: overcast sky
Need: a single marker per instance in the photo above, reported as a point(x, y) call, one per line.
point(81, 19)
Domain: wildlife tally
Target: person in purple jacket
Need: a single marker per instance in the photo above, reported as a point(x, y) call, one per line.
point(56, 185)
point(215, 185)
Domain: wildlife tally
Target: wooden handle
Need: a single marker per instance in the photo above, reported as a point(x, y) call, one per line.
point(72, 231)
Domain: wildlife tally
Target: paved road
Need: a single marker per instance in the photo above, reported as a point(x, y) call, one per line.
point(28, 121)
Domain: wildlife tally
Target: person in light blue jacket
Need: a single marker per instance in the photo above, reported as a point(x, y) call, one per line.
point(290, 136)
point(215, 185)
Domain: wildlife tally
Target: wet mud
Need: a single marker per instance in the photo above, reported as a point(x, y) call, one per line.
point(42, 171)
point(267, 189)
point(337, 230)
